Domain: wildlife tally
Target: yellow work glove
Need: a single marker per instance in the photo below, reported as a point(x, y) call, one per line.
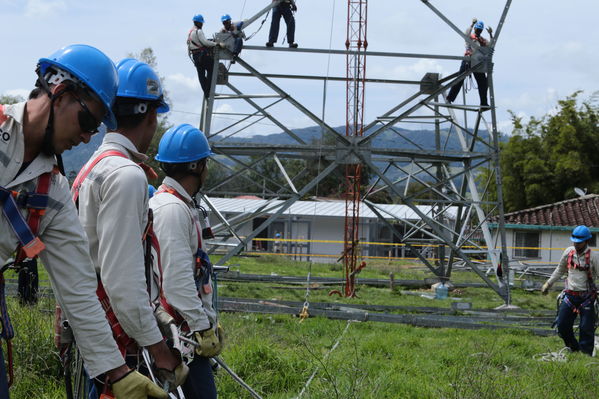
point(136, 386)
point(545, 289)
point(209, 346)
point(221, 337)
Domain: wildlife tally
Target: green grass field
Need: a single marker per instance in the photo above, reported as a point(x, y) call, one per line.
point(277, 354)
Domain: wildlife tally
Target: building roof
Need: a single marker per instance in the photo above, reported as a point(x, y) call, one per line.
point(317, 208)
point(572, 212)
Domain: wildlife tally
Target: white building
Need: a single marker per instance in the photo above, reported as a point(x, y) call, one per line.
point(318, 226)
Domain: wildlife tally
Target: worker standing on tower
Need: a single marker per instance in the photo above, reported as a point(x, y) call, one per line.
point(481, 77)
point(284, 9)
point(112, 192)
point(201, 53)
point(580, 294)
point(183, 154)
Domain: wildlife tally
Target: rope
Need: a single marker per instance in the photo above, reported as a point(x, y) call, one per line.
point(559, 356)
point(324, 360)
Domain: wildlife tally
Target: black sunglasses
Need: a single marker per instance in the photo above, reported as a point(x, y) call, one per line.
point(87, 121)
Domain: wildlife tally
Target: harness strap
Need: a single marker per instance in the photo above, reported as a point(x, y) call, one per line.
point(587, 267)
point(82, 175)
point(3, 117)
point(203, 268)
point(125, 343)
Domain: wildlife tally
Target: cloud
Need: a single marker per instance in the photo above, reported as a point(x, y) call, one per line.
point(24, 93)
point(182, 81)
point(44, 8)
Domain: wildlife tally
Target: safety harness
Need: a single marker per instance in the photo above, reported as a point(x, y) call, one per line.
point(203, 267)
point(200, 48)
point(125, 343)
point(591, 293)
point(26, 231)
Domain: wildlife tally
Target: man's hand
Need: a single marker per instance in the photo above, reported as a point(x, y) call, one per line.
point(176, 377)
point(293, 6)
point(474, 20)
point(490, 30)
point(545, 289)
point(209, 345)
point(221, 45)
point(133, 385)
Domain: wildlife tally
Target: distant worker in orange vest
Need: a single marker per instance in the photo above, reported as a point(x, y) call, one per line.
point(201, 53)
point(284, 9)
point(481, 77)
point(580, 293)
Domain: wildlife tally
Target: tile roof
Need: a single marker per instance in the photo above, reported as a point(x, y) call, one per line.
point(572, 212)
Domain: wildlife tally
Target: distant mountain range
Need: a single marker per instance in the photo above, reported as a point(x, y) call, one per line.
point(409, 140)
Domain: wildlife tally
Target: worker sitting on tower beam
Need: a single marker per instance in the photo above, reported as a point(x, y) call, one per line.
point(285, 9)
point(481, 77)
point(235, 29)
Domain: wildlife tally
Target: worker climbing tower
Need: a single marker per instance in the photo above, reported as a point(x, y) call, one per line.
point(453, 188)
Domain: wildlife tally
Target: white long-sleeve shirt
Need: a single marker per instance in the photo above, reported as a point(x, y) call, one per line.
point(577, 279)
point(176, 224)
point(197, 40)
point(66, 257)
point(113, 209)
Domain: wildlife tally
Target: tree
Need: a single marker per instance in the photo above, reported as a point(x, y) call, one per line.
point(546, 158)
point(10, 99)
point(147, 55)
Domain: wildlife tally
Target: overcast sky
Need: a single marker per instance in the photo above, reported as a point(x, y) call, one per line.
point(547, 49)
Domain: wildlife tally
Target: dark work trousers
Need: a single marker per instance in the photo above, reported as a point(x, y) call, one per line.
point(28, 282)
point(3, 377)
point(200, 381)
point(277, 12)
point(481, 81)
point(204, 64)
point(565, 323)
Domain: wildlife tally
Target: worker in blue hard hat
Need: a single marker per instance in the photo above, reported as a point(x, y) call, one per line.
point(285, 9)
point(76, 88)
point(200, 51)
point(580, 293)
point(474, 32)
point(112, 192)
point(187, 272)
point(236, 31)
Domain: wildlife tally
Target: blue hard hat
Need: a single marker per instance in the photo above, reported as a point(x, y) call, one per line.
point(225, 17)
point(151, 190)
point(198, 18)
point(580, 234)
point(183, 143)
point(479, 25)
point(138, 80)
point(93, 68)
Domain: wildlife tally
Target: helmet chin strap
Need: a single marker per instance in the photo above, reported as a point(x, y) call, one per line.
point(199, 176)
point(47, 142)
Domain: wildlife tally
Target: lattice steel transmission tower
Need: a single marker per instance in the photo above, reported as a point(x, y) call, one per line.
point(453, 187)
point(356, 44)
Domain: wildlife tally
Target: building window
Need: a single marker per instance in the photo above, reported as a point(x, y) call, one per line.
point(528, 239)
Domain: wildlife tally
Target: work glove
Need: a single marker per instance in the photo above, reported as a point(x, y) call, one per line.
point(293, 7)
point(209, 345)
point(490, 30)
point(133, 385)
point(172, 379)
point(545, 289)
point(474, 20)
point(221, 45)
